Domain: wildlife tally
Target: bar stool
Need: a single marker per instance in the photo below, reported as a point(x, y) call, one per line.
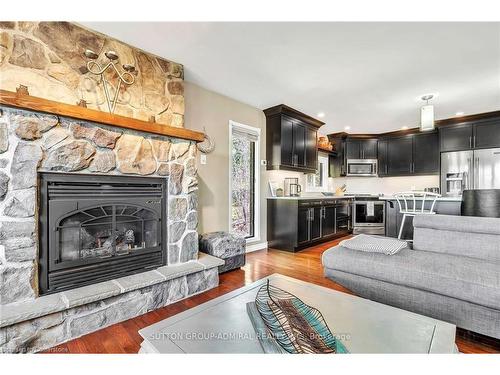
point(413, 203)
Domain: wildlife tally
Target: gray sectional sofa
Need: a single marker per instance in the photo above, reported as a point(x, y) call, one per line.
point(452, 273)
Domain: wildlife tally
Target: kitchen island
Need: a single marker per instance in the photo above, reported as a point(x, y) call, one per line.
point(444, 206)
point(294, 223)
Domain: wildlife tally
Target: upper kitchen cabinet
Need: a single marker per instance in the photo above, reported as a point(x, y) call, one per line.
point(291, 139)
point(487, 134)
point(455, 137)
point(383, 165)
point(426, 153)
point(361, 148)
point(337, 167)
point(414, 154)
point(399, 156)
point(470, 135)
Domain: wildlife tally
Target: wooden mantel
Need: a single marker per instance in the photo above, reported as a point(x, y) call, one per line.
point(22, 101)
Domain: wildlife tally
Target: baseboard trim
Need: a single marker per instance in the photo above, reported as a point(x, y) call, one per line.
point(255, 247)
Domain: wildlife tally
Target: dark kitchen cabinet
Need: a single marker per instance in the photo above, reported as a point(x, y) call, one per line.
point(337, 163)
point(426, 153)
point(353, 149)
point(456, 137)
point(295, 224)
point(286, 141)
point(311, 148)
point(382, 158)
point(316, 222)
point(369, 148)
point(299, 145)
point(361, 148)
point(487, 134)
point(414, 154)
point(303, 233)
point(291, 140)
point(328, 220)
point(470, 135)
point(399, 156)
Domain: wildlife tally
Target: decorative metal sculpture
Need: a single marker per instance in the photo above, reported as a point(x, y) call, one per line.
point(208, 145)
point(125, 77)
point(296, 327)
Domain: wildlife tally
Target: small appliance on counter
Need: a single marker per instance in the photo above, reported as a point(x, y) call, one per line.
point(292, 187)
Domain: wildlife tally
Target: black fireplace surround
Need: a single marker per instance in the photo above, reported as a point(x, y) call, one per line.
point(94, 228)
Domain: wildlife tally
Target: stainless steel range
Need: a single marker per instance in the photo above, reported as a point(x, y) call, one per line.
point(368, 214)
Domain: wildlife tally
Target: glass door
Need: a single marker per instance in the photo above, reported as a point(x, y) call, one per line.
point(244, 187)
point(94, 233)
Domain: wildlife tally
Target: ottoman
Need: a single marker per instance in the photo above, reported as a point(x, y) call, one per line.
point(226, 246)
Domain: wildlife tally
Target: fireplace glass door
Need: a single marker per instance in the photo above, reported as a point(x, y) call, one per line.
point(106, 231)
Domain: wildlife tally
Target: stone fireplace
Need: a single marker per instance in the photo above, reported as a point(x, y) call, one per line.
point(97, 225)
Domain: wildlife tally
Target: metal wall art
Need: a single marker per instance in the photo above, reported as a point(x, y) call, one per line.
point(126, 77)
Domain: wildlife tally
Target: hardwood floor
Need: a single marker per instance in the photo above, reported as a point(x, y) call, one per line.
point(306, 265)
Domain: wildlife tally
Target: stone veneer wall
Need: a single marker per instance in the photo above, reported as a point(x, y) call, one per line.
point(31, 142)
point(48, 58)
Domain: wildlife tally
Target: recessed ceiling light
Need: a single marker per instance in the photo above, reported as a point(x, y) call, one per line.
point(321, 114)
point(404, 128)
point(347, 128)
point(459, 114)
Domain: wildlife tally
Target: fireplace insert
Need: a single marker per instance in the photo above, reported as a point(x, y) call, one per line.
point(95, 228)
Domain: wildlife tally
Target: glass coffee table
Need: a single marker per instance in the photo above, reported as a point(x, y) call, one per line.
point(222, 325)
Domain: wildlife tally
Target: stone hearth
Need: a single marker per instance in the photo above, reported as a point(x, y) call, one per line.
point(31, 142)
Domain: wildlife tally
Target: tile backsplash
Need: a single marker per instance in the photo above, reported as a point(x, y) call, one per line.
point(376, 185)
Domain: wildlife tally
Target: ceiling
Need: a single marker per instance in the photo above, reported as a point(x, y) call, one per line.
point(367, 76)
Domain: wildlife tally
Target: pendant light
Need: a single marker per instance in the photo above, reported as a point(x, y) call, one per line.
point(427, 114)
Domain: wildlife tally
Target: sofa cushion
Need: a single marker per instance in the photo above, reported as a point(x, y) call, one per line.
point(468, 279)
point(475, 237)
point(454, 223)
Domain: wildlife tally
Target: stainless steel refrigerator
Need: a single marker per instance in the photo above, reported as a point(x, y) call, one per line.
point(464, 170)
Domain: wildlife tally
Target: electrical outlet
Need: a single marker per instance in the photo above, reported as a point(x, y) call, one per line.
point(203, 159)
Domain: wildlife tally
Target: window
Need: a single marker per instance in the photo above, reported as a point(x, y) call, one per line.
point(318, 181)
point(244, 180)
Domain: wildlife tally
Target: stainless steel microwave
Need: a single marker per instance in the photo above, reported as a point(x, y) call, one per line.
point(362, 167)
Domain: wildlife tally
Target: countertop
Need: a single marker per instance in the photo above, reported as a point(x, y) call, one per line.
point(307, 197)
point(441, 199)
point(382, 197)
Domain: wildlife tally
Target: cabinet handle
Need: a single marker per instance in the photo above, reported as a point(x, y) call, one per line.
point(474, 142)
point(470, 141)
